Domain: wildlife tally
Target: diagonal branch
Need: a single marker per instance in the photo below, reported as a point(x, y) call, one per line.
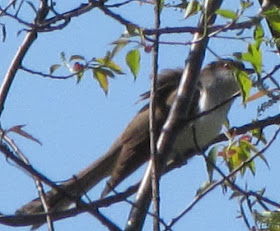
point(22, 51)
point(227, 178)
point(25, 220)
point(172, 124)
point(10, 75)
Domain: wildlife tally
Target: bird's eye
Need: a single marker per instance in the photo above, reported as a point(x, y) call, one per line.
point(226, 65)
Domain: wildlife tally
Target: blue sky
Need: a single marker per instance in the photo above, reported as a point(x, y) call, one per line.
point(78, 123)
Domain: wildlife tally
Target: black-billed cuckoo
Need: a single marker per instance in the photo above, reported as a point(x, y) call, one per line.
point(213, 97)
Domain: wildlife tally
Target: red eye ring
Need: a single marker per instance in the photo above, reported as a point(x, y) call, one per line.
point(226, 65)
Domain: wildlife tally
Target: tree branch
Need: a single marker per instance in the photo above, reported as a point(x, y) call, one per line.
point(152, 122)
point(227, 178)
point(172, 124)
point(22, 51)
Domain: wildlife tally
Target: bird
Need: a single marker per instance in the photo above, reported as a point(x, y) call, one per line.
point(214, 94)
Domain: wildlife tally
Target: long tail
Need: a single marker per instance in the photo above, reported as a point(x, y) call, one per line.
point(78, 185)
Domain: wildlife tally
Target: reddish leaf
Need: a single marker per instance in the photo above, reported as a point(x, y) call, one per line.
point(54, 67)
point(148, 48)
point(78, 67)
point(256, 96)
point(18, 129)
point(76, 57)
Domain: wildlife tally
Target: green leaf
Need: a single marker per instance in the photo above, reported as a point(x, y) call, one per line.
point(254, 56)
point(245, 153)
point(269, 219)
point(233, 160)
point(106, 72)
point(245, 83)
point(182, 5)
point(273, 17)
point(54, 67)
point(133, 58)
point(120, 44)
point(277, 42)
point(132, 30)
point(211, 161)
point(258, 35)
point(110, 64)
point(80, 75)
point(161, 5)
point(245, 4)
point(193, 8)
point(275, 25)
point(114, 67)
point(102, 79)
point(227, 14)
point(258, 133)
point(240, 152)
point(272, 14)
point(204, 187)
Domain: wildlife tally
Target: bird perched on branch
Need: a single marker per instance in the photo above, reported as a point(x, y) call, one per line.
point(217, 84)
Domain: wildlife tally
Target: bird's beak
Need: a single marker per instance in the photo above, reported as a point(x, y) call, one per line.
point(250, 70)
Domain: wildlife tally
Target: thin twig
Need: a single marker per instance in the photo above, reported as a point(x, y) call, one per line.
point(46, 75)
point(24, 220)
point(43, 199)
point(244, 217)
point(132, 204)
point(211, 29)
point(227, 179)
point(117, 17)
point(153, 149)
point(104, 220)
point(30, 219)
point(3, 11)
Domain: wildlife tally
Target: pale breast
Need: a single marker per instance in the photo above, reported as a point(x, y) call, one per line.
point(199, 133)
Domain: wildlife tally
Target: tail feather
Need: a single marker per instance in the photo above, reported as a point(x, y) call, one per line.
point(76, 186)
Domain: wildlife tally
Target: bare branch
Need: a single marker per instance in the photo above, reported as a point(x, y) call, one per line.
point(154, 157)
point(117, 17)
point(43, 198)
point(227, 178)
point(26, 220)
point(46, 75)
point(15, 64)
